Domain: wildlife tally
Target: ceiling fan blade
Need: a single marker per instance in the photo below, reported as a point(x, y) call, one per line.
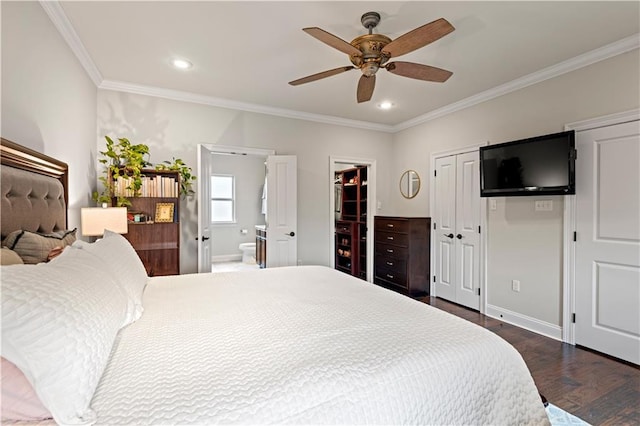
point(418, 38)
point(419, 71)
point(365, 88)
point(320, 75)
point(333, 41)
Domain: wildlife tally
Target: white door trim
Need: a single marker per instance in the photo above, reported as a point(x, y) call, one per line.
point(371, 206)
point(227, 149)
point(569, 225)
point(483, 223)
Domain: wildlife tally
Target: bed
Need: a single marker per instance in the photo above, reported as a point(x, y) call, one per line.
point(103, 344)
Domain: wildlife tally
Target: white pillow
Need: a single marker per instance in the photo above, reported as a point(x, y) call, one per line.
point(59, 322)
point(118, 255)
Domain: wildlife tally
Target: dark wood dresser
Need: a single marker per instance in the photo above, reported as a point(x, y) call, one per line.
point(402, 254)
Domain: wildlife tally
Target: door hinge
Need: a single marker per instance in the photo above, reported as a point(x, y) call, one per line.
point(573, 318)
point(478, 291)
point(434, 278)
point(435, 173)
point(575, 236)
point(478, 229)
point(434, 225)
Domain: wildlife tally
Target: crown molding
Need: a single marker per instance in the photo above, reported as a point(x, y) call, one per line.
point(59, 18)
point(608, 51)
point(178, 95)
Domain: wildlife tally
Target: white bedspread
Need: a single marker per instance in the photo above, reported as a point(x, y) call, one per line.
point(307, 345)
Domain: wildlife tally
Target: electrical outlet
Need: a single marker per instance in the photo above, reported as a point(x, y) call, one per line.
point(515, 285)
point(543, 205)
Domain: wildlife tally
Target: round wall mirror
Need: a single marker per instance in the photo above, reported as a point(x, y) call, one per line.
point(409, 184)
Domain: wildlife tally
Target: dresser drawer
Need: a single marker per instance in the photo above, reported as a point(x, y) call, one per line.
point(398, 278)
point(389, 250)
point(392, 238)
point(390, 263)
point(393, 225)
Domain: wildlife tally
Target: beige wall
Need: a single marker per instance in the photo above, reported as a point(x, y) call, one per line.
point(522, 244)
point(173, 128)
point(48, 101)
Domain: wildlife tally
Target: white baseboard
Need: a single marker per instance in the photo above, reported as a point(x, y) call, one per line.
point(226, 258)
point(532, 324)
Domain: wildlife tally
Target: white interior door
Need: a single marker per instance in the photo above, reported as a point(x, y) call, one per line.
point(467, 258)
point(445, 230)
point(282, 214)
point(457, 232)
point(607, 277)
point(204, 209)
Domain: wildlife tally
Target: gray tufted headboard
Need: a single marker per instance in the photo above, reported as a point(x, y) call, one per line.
point(34, 190)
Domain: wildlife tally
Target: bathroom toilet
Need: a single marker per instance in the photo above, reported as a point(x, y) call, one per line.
point(248, 252)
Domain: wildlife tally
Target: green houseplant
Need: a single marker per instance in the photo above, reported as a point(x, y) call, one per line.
point(121, 158)
point(186, 176)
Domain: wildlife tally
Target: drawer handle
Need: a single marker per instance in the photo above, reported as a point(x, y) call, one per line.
point(390, 263)
point(390, 225)
point(389, 276)
point(389, 250)
point(390, 238)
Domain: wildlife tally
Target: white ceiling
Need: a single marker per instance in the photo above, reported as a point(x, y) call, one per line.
point(244, 53)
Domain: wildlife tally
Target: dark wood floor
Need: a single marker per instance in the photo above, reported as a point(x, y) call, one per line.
point(596, 388)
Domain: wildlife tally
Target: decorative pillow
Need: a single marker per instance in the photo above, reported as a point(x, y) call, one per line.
point(19, 400)
point(34, 248)
point(9, 257)
point(59, 322)
point(117, 254)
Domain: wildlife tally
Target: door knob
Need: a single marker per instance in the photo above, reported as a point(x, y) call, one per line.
point(448, 235)
point(204, 238)
point(291, 234)
point(459, 236)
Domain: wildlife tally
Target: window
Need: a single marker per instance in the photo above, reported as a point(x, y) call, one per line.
point(223, 199)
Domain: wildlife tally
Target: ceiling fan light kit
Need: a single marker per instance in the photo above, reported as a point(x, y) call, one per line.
point(370, 52)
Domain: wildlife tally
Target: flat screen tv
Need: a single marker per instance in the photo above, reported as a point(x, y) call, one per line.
point(543, 165)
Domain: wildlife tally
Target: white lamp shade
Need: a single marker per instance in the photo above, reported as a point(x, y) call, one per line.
point(96, 219)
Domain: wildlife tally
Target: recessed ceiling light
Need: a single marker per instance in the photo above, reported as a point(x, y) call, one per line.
point(386, 105)
point(181, 64)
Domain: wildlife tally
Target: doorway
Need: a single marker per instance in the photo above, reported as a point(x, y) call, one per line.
point(456, 213)
point(351, 208)
point(270, 180)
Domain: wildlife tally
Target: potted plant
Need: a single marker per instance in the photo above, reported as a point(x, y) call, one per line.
point(124, 159)
point(186, 176)
point(121, 159)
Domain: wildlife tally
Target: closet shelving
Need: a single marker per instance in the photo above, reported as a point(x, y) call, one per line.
point(351, 222)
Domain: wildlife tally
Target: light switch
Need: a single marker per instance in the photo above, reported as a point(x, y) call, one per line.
point(493, 204)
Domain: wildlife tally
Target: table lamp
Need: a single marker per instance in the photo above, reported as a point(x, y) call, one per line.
point(94, 220)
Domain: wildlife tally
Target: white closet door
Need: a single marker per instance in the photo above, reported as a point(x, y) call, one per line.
point(457, 234)
point(444, 234)
point(467, 230)
point(607, 279)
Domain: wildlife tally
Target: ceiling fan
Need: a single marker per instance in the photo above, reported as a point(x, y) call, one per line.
point(370, 52)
